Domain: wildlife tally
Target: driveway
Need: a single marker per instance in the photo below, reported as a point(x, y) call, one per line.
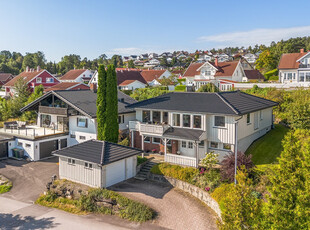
point(29, 178)
point(176, 209)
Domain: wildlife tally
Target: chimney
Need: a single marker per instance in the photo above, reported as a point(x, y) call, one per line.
point(93, 87)
point(301, 51)
point(38, 68)
point(216, 61)
point(27, 69)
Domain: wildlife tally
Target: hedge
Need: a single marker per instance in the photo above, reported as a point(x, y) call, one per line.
point(181, 88)
point(271, 73)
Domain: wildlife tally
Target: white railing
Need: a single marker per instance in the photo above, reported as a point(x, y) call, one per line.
point(180, 160)
point(30, 131)
point(286, 85)
point(147, 128)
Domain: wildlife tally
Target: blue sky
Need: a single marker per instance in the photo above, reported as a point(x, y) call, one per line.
point(92, 27)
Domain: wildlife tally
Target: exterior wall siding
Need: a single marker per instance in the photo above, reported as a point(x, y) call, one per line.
point(44, 75)
point(225, 134)
point(78, 173)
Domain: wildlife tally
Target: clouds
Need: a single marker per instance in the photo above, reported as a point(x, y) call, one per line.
point(256, 36)
point(126, 51)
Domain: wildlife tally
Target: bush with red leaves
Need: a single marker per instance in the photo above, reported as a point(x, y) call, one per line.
point(228, 165)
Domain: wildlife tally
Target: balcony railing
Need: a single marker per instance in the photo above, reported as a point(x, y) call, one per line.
point(148, 128)
point(180, 160)
point(53, 110)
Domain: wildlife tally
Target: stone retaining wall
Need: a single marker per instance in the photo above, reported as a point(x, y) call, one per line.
point(189, 188)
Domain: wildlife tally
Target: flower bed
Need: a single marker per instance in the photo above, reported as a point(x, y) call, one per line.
point(95, 201)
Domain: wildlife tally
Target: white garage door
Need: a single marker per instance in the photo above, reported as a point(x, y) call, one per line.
point(115, 173)
point(129, 168)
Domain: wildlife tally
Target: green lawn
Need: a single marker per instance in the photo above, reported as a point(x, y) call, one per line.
point(266, 149)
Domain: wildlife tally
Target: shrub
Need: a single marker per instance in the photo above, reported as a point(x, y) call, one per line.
point(141, 160)
point(210, 160)
point(208, 179)
point(5, 187)
point(180, 88)
point(124, 142)
point(271, 73)
point(274, 78)
point(209, 87)
point(228, 165)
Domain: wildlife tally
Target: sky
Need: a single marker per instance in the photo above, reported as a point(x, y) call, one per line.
point(90, 28)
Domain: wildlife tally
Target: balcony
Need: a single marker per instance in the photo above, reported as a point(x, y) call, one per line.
point(157, 129)
point(30, 132)
point(304, 66)
point(53, 110)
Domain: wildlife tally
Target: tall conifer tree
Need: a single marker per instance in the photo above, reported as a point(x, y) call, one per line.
point(101, 102)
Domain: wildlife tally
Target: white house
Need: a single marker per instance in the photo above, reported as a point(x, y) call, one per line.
point(77, 75)
point(199, 74)
point(151, 63)
point(104, 165)
point(65, 118)
point(185, 126)
point(251, 58)
point(295, 67)
point(131, 85)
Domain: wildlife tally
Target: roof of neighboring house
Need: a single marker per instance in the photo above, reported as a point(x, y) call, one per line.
point(230, 103)
point(27, 76)
point(85, 101)
point(230, 81)
point(72, 74)
point(289, 61)
point(150, 75)
point(5, 76)
point(223, 69)
point(98, 152)
point(177, 71)
point(254, 74)
point(66, 86)
point(124, 75)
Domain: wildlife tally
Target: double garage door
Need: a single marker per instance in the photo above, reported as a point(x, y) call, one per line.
point(47, 147)
point(120, 171)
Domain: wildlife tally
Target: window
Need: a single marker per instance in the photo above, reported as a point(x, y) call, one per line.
point(156, 116)
point(214, 145)
point(190, 145)
point(208, 72)
point(20, 144)
point(186, 120)
point(45, 120)
point(176, 119)
point(38, 80)
point(302, 77)
point(82, 138)
point(219, 121)
point(197, 122)
point(88, 165)
point(82, 122)
point(227, 146)
point(165, 117)
point(28, 145)
point(121, 119)
point(183, 144)
point(72, 135)
point(146, 115)
point(49, 80)
point(248, 118)
point(201, 144)
point(147, 139)
point(308, 76)
point(156, 140)
point(71, 161)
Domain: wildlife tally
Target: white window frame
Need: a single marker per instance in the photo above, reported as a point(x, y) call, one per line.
point(180, 119)
point(184, 142)
point(217, 143)
point(190, 121)
point(71, 161)
point(190, 145)
point(202, 121)
point(78, 122)
point(88, 165)
point(49, 80)
point(145, 140)
point(215, 126)
point(38, 80)
point(248, 115)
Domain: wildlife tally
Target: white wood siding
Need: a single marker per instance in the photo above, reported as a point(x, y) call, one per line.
point(78, 173)
point(225, 134)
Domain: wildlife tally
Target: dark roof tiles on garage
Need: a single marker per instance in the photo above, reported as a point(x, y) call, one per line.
point(98, 152)
point(230, 103)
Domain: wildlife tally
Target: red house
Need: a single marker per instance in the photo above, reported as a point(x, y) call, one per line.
point(33, 77)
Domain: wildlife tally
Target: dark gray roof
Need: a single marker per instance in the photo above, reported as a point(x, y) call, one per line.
point(230, 103)
point(186, 134)
point(98, 152)
point(85, 101)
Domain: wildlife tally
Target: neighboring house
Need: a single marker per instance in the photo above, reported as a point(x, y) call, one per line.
point(251, 58)
point(199, 74)
point(64, 118)
point(97, 163)
point(152, 55)
point(253, 75)
point(143, 57)
point(205, 57)
point(77, 75)
point(186, 126)
point(222, 57)
point(67, 86)
point(152, 77)
point(4, 78)
point(151, 63)
point(33, 78)
point(131, 85)
point(294, 67)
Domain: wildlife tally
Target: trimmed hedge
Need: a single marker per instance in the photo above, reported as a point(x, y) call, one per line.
point(271, 73)
point(181, 88)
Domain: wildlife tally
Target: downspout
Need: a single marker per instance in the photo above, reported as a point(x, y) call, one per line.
point(236, 146)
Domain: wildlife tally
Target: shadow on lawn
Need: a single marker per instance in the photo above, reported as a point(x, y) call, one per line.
point(10, 221)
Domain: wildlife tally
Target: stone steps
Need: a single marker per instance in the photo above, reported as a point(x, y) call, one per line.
point(142, 174)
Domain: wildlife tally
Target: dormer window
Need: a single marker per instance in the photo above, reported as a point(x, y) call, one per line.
point(38, 80)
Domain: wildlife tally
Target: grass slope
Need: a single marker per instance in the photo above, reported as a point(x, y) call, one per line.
point(266, 149)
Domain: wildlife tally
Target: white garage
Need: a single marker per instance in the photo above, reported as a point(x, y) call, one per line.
point(97, 163)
